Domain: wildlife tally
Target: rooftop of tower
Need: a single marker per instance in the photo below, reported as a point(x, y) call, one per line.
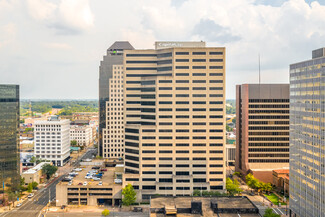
point(121, 45)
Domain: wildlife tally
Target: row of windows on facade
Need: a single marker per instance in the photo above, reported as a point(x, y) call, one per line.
point(177, 173)
point(135, 151)
point(110, 145)
point(43, 125)
point(113, 155)
point(129, 164)
point(129, 130)
point(58, 141)
point(183, 103)
point(172, 180)
point(152, 82)
point(48, 156)
point(48, 144)
point(177, 158)
point(48, 133)
point(118, 90)
point(153, 89)
point(170, 61)
point(153, 96)
point(168, 68)
point(176, 53)
point(179, 123)
point(48, 152)
point(48, 137)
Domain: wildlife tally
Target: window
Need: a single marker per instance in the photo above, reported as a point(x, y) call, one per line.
point(165, 180)
point(182, 60)
point(215, 67)
point(182, 53)
point(182, 67)
point(216, 60)
point(165, 81)
point(198, 53)
point(182, 74)
point(198, 67)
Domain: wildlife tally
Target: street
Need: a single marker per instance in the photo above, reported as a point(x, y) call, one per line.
point(32, 207)
point(97, 214)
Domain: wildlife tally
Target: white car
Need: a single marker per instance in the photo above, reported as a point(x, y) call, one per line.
point(77, 169)
point(88, 177)
point(19, 204)
point(70, 183)
point(85, 183)
point(30, 195)
point(96, 178)
point(100, 183)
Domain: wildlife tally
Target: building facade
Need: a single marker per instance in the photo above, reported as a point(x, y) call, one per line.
point(52, 140)
point(83, 135)
point(111, 123)
point(175, 118)
point(9, 136)
point(307, 143)
point(262, 129)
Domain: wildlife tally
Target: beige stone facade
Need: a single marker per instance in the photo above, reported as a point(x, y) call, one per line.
point(175, 115)
point(113, 134)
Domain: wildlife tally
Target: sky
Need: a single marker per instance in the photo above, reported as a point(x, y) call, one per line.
point(53, 48)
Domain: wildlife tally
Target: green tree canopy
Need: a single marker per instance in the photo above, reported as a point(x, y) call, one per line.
point(129, 195)
point(73, 143)
point(232, 186)
point(34, 185)
point(30, 188)
point(105, 212)
point(49, 170)
point(269, 213)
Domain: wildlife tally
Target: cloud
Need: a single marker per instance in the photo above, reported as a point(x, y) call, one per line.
point(210, 31)
point(67, 17)
point(58, 46)
point(8, 35)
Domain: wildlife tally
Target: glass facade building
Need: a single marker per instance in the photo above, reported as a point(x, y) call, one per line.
point(9, 136)
point(307, 141)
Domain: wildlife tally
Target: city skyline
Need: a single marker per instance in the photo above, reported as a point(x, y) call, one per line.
point(45, 43)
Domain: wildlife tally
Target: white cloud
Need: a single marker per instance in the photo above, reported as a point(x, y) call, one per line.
point(66, 16)
point(8, 35)
point(58, 46)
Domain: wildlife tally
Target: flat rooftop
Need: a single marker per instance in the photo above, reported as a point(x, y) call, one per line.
point(107, 178)
point(180, 203)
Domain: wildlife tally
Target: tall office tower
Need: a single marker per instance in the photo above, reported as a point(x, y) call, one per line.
point(262, 128)
point(307, 142)
point(52, 140)
point(9, 137)
point(111, 123)
point(175, 115)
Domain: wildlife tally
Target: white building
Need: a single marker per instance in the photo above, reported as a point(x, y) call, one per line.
point(82, 134)
point(52, 140)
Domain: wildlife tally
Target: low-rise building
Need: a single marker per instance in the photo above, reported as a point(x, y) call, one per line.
point(230, 154)
point(34, 174)
point(83, 191)
point(281, 179)
point(202, 206)
point(82, 134)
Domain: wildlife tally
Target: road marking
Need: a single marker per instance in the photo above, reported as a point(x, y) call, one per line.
point(275, 211)
point(280, 211)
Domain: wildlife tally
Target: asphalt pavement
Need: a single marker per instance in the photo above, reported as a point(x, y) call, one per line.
point(96, 214)
point(32, 207)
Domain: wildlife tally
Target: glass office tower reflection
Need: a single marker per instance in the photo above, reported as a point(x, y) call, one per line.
point(307, 138)
point(9, 136)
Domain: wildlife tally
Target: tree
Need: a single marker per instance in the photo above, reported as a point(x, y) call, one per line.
point(252, 182)
point(196, 193)
point(232, 187)
point(30, 188)
point(105, 212)
point(129, 195)
point(73, 143)
point(269, 213)
point(12, 196)
point(49, 170)
point(34, 185)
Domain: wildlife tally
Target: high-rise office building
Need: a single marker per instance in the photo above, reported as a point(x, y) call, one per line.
point(52, 140)
point(175, 118)
point(262, 129)
point(111, 123)
point(307, 142)
point(9, 136)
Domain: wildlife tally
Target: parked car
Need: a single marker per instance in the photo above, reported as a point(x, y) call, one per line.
point(77, 169)
point(79, 183)
point(103, 169)
point(96, 178)
point(30, 195)
point(19, 204)
point(100, 183)
point(70, 183)
point(85, 183)
point(95, 168)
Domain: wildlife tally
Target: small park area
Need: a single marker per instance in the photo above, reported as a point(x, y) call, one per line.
point(274, 199)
